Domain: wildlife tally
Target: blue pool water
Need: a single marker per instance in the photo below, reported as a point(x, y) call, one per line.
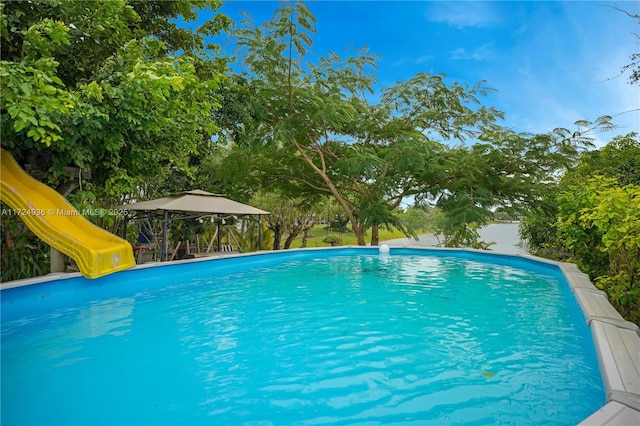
point(315, 337)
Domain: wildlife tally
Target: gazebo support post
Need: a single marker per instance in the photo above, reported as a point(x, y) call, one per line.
point(165, 243)
point(218, 221)
point(259, 232)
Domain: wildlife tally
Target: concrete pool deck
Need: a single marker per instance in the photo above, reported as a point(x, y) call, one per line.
point(616, 341)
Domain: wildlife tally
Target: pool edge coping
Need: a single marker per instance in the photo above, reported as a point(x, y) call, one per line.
point(616, 340)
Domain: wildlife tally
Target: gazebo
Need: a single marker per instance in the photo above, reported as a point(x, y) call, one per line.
point(197, 202)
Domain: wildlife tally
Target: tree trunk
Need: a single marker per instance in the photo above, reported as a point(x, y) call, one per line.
point(277, 236)
point(289, 240)
point(375, 236)
point(359, 233)
point(295, 230)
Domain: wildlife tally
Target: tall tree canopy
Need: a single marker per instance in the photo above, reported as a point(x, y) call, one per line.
point(314, 129)
point(93, 84)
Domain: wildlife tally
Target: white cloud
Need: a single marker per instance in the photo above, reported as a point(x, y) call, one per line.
point(423, 59)
point(463, 14)
point(482, 53)
point(459, 53)
point(412, 61)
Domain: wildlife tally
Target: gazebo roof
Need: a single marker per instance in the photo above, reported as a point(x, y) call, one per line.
point(196, 201)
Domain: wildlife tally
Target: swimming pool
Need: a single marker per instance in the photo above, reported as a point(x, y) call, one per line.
point(338, 336)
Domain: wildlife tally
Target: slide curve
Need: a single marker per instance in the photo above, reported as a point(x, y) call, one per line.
point(50, 216)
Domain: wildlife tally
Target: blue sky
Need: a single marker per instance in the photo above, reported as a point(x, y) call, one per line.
point(551, 62)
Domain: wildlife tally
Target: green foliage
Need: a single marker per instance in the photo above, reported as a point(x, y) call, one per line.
point(158, 18)
point(92, 85)
point(620, 158)
point(599, 222)
point(34, 97)
point(22, 254)
point(503, 170)
point(289, 217)
point(583, 242)
point(459, 234)
point(332, 239)
point(249, 237)
point(592, 217)
point(161, 115)
point(539, 230)
point(418, 219)
point(338, 222)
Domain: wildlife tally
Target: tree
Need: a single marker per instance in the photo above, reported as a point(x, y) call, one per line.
point(314, 119)
point(418, 219)
point(599, 222)
point(88, 84)
point(288, 219)
point(591, 217)
point(91, 85)
point(309, 128)
point(634, 60)
point(619, 159)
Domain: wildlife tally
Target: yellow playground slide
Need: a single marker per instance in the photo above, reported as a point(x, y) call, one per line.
point(50, 216)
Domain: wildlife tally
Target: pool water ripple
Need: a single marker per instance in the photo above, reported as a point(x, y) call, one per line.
point(343, 340)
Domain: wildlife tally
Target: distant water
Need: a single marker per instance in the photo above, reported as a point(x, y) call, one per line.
point(506, 237)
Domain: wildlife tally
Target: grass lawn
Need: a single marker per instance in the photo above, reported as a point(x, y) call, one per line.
point(319, 232)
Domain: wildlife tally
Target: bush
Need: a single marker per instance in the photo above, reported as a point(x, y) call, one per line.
point(599, 223)
point(332, 239)
point(23, 255)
